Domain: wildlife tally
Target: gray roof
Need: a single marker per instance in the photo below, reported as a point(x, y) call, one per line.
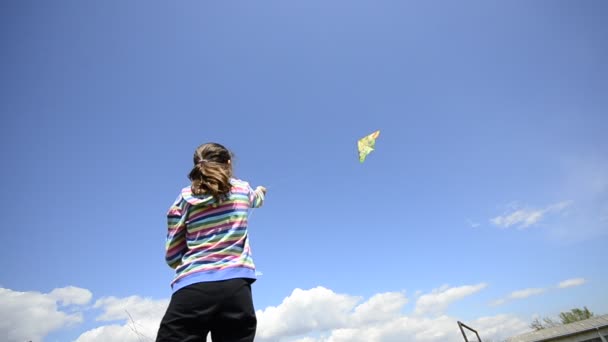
point(562, 330)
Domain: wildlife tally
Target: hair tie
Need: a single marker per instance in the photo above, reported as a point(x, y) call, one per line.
point(203, 161)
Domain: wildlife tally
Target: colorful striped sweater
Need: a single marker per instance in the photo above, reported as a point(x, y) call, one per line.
point(208, 240)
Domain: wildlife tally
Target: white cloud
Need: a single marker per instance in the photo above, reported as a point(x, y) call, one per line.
point(306, 310)
point(402, 328)
point(571, 283)
point(28, 316)
point(378, 319)
point(120, 308)
point(348, 318)
point(116, 332)
point(305, 339)
point(499, 327)
point(519, 294)
point(438, 300)
point(414, 328)
point(523, 217)
point(71, 295)
point(141, 318)
point(534, 291)
point(525, 293)
point(380, 307)
point(526, 217)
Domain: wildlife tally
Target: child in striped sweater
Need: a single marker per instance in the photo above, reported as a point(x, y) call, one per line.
point(208, 246)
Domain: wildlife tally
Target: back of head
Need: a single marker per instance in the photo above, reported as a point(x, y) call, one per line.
point(212, 170)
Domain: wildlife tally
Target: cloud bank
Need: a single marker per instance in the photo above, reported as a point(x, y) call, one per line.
point(26, 316)
point(312, 315)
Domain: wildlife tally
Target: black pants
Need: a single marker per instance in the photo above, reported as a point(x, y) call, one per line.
point(222, 308)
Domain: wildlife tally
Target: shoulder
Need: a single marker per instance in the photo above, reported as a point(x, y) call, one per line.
point(240, 184)
point(178, 205)
point(180, 197)
point(188, 197)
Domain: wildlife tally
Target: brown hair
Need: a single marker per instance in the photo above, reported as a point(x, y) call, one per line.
point(212, 170)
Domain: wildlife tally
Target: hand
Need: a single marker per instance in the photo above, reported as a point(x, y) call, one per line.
point(261, 189)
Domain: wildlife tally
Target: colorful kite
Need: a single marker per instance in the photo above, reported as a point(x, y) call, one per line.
point(366, 145)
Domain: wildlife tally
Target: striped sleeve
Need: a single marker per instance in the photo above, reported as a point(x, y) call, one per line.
point(256, 198)
point(175, 246)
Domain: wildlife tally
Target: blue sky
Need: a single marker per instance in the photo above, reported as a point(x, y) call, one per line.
point(489, 181)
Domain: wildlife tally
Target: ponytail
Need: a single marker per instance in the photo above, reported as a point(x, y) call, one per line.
point(212, 171)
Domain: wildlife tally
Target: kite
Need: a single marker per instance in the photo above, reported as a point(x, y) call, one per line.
point(366, 145)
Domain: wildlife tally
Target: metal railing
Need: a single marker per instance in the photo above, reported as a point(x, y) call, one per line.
point(461, 326)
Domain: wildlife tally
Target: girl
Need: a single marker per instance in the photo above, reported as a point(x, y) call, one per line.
point(208, 246)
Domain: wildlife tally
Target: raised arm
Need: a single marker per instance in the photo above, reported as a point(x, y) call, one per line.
point(257, 196)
